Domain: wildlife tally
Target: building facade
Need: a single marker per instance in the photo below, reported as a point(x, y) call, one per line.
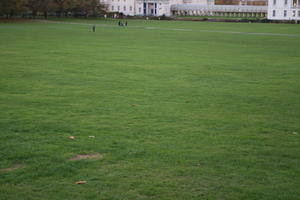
point(148, 7)
point(220, 10)
point(241, 8)
point(284, 10)
point(272, 9)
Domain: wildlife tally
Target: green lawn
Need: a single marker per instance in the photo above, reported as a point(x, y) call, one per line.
point(179, 110)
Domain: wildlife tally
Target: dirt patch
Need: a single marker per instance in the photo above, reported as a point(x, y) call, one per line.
point(86, 156)
point(14, 167)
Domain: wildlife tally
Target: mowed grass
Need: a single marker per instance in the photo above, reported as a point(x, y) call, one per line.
point(179, 110)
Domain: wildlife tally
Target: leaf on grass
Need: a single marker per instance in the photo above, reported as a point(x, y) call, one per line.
point(72, 137)
point(91, 136)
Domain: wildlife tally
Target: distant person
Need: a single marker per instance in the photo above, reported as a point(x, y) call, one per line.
point(119, 23)
point(125, 23)
point(94, 28)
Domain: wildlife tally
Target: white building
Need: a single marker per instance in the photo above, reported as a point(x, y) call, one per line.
point(219, 10)
point(284, 10)
point(276, 9)
point(148, 7)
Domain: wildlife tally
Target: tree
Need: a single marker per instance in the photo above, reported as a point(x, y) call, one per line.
point(33, 6)
point(6, 7)
point(89, 7)
point(12, 7)
point(61, 6)
point(82, 7)
point(45, 6)
point(71, 6)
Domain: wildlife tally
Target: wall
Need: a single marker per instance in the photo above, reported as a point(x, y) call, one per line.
point(280, 7)
point(122, 6)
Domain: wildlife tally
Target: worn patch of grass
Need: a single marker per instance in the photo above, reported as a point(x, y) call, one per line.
point(178, 114)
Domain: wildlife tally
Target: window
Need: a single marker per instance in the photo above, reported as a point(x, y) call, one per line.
point(118, 8)
point(124, 8)
point(140, 10)
point(274, 2)
point(274, 13)
point(112, 8)
point(294, 13)
point(294, 3)
point(284, 13)
point(298, 13)
point(130, 8)
point(285, 2)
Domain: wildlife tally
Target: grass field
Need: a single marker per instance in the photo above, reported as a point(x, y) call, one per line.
point(179, 110)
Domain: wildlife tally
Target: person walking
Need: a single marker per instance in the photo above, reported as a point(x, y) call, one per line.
point(94, 28)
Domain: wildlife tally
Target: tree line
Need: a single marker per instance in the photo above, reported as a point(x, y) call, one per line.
point(33, 8)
